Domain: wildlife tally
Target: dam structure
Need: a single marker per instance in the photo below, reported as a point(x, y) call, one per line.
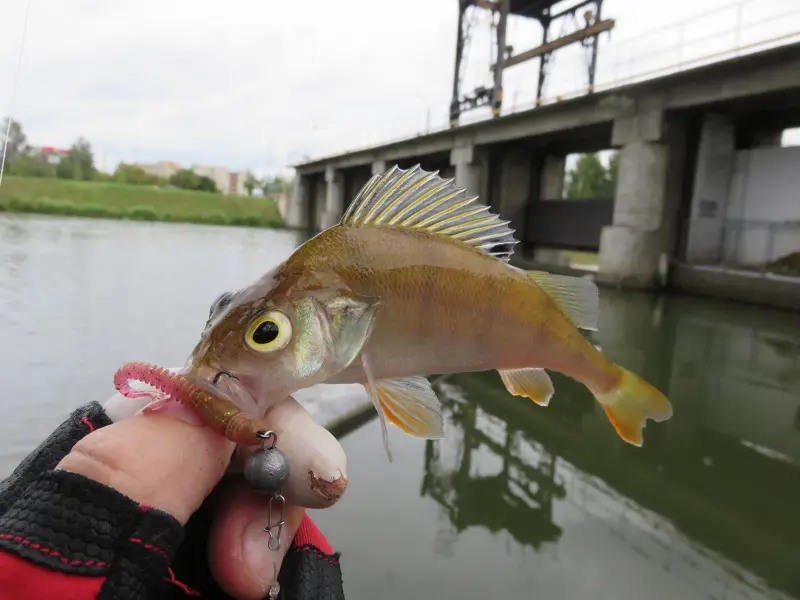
point(706, 197)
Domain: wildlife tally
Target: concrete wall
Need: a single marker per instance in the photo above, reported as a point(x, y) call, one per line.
point(765, 187)
point(712, 180)
point(759, 185)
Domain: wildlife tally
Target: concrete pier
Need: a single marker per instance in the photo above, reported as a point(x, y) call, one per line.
point(634, 249)
point(697, 149)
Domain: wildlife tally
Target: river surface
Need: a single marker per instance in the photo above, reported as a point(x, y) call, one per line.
point(519, 501)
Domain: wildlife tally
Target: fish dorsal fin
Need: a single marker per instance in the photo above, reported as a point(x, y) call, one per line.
point(421, 200)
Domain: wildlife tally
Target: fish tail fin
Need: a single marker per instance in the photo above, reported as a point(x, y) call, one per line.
point(631, 403)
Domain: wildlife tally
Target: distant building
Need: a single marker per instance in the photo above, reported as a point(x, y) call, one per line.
point(163, 169)
point(228, 182)
point(51, 154)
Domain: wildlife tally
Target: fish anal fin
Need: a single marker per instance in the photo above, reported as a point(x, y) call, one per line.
point(577, 297)
point(631, 404)
point(532, 383)
point(412, 406)
point(423, 201)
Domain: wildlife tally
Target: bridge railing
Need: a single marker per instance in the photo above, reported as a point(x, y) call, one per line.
point(733, 28)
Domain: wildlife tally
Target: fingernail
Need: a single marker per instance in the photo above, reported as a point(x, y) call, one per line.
point(262, 562)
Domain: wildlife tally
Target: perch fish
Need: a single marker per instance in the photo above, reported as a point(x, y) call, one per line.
point(415, 280)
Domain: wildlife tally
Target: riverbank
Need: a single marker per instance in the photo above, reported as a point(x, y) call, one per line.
point(135, 202)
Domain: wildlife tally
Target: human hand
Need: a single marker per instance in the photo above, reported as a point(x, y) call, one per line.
point(173, 464)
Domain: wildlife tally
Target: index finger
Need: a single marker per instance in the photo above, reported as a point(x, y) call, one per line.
point(155, 460)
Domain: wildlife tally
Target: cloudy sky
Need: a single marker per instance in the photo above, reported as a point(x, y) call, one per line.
point(254, 84)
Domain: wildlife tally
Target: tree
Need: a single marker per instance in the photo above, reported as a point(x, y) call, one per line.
point(206, 184)
point(189, 180)
point(251, 182)
point(79, 163)
point(590, 178)
point(31, 165)
point(133, 175)
point(17, 142)
point(184, 178)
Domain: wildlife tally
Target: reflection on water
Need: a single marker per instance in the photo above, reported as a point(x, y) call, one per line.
point(706, 509)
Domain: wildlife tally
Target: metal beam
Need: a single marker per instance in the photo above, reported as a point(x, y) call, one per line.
point(487, 4)
point(568, 39)
point(497, 92)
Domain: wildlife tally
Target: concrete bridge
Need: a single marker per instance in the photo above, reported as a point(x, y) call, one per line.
point(697, 149)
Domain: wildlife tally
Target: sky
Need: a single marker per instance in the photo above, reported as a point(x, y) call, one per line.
point(248, 84)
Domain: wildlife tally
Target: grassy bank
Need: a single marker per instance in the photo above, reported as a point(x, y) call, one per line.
point(135, 202)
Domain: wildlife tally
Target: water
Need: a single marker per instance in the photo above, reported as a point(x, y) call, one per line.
point(519, 501)
point(79, 297)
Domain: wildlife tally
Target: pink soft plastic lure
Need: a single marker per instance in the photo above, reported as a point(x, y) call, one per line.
point(221, 414)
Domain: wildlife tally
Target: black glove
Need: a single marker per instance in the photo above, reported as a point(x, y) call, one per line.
point(57, 528)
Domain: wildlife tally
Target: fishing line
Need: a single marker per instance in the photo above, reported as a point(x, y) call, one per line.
point(14, 90)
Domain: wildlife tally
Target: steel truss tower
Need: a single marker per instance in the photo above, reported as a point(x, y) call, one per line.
point(540, 10)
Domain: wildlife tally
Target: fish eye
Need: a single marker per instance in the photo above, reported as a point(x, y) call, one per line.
point(269, 332)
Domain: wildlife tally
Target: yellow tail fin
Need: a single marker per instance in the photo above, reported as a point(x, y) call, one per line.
point(630, 405)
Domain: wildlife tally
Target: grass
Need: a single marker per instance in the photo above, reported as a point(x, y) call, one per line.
point(582, 258)
point(134, 202)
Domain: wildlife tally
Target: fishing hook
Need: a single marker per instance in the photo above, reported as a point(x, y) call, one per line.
point(221, 373)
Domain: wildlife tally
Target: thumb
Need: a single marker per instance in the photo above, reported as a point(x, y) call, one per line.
point(154, 459)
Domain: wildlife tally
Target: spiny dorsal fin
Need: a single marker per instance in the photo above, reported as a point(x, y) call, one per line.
point(421, 200)
point(578, 297)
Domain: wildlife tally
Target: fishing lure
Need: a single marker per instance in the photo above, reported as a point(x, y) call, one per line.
point(221, 414)
point(317, 478)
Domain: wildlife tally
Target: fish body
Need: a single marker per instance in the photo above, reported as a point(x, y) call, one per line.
point(447, 308)
point(415, 280)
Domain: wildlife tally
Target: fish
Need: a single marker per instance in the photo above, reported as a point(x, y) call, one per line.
point(416, 280)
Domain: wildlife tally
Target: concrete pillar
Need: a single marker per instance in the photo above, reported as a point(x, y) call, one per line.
point(514, 188)
point(553, 170)
point(334, 197)
point(634, 250)
point(320, 198)
point(711, 190)
point(378, 166)
point(295, 215)
point(469, 169)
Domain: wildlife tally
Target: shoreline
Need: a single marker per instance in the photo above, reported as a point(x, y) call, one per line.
point(118, 201)
point(146, 214)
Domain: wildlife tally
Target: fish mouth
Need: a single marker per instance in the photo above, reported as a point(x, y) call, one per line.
point(223, 383)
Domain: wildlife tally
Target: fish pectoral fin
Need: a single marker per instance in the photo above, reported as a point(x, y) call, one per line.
point(630, 405)
point(577, 297)
point(423, 201)
point(372, 391)
point(412, 405)
point(531, 383)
